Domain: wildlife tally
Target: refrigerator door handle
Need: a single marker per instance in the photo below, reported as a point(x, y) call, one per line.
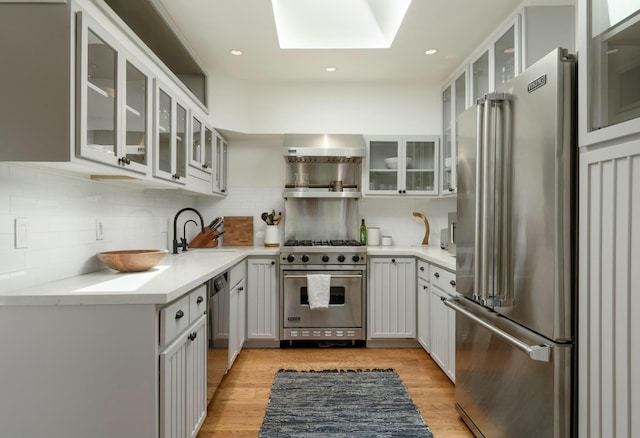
point(481, 259)
point(540, 353)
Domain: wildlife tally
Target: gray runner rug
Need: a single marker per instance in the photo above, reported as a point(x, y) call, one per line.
point(337, 403)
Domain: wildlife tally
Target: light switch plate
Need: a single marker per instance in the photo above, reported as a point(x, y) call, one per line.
point(99, 229)
point(22, 232)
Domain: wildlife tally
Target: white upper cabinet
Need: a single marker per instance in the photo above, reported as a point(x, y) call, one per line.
point(201, 150)
point(609, 70)
point(220, 157)
point(114, 117)
point(402, 165)
point(171, 136)
point(454, 101)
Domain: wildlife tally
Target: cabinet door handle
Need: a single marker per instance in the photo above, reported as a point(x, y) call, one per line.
point(443, 299)
point(193, 336)
point(179, 314)
point(272, 262)
point(241, 288)
point(436, 274)
point(422, 268)
point(425, 287)
point(199, 300)
point(452, 282)
point(393, 260)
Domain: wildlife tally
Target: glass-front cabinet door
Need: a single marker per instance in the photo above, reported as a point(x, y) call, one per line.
point(220, 157)
point(447, 140)
point(114, 91)
point(613, 69)
point(170, 130)
point(402, 165)
point(383, 161)
point(420, 165)
point(480, 76)
point(504, 50)
point(201, 150)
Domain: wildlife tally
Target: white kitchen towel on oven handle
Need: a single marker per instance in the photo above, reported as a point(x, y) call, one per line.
point(318, 287)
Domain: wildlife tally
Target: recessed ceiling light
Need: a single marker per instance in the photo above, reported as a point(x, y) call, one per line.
point(235, 52)
point(330, 69)
point(431, 51)
point(509, 50)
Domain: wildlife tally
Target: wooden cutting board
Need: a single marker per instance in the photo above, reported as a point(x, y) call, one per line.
point(238, 231)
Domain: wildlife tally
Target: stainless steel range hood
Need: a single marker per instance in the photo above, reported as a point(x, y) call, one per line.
point(317, 162)
point(327, 148)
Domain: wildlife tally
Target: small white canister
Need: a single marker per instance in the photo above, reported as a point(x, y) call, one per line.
point(373, 236)
point(386, 240)
point(271, 236)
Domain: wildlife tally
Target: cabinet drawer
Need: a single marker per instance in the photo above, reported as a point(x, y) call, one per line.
point(174, 319)
point(197, 303)
point(423, 270)
point(445, 280)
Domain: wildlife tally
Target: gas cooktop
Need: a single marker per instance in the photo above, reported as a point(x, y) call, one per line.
point(335, 242)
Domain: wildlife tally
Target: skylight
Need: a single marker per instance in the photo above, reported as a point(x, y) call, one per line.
point(338, 24)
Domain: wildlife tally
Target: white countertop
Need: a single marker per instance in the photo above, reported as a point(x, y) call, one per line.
point(431, 254)
point(173, 277)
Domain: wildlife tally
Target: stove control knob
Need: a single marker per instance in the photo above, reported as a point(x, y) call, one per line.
point(290, 258)
point(355, 258)
point(305, 258)
point(341, 258)
point(325, 258)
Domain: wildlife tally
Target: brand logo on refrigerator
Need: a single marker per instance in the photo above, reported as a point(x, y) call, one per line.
point(537, 83)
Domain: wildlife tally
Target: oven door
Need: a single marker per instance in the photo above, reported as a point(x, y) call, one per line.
point(345, 303)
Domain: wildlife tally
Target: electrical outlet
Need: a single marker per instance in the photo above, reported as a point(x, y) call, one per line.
point(22, 232)
point(99, 230)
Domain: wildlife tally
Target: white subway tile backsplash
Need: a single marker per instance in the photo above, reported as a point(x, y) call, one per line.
point(62, 211)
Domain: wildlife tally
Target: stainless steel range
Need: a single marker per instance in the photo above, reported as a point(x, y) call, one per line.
point(345, 318)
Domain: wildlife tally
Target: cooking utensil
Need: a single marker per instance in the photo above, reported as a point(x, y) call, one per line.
point(264, 216)
point(336, 186)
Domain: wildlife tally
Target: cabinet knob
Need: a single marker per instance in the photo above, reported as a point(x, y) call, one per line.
point(124, 161)
point(199, 300)
point(399, 191)
point(273, 262)
point(404, 191)
point(204, 166)
point(425, 287)
point(452, 282)
point(436, 274)
point(393, 260)
point(443, 298)
point(179, 314)
point(451, 189)
point(241, 288)
point(193, 336)
point(422, 268)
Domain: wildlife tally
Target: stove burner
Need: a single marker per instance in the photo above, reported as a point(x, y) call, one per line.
point(335, 242)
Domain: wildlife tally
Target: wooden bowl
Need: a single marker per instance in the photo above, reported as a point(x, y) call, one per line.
point(132, 260)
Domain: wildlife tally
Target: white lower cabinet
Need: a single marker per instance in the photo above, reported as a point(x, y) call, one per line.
point(262, 299)
point(237, 320)
point(392, 298)
point(183, 383)
point(424, 299)
point(442, 321)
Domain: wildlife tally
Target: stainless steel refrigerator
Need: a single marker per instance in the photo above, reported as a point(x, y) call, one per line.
point(515, 257)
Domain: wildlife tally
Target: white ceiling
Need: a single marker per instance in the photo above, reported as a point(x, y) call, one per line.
point(456, 27)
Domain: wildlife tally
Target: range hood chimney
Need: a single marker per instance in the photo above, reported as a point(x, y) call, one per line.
point(339, 148)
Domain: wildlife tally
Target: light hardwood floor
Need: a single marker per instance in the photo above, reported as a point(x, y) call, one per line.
point(238, 406)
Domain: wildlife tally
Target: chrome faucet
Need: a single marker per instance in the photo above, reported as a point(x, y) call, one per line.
point(183, 240)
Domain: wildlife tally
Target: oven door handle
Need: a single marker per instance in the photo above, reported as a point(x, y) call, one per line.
point(332, 276)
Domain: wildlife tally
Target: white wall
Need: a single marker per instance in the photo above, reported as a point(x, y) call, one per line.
point(61, 212)
point(409, 108)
